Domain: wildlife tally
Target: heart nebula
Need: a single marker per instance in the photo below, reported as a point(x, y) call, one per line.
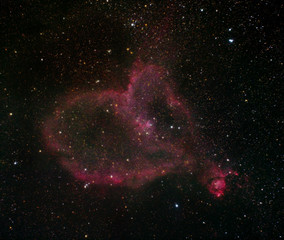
point(128, 138)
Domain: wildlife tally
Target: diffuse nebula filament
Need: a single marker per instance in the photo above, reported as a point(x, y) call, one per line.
point(128, 138)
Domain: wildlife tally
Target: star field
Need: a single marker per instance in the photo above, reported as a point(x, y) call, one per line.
point(141, 120)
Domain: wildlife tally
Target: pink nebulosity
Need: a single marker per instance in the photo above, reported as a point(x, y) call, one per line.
point(214, 178)
point(128, 138)
point(217, 187)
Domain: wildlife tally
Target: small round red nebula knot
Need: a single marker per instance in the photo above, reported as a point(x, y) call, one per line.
point(217, 186)
point(214, 178)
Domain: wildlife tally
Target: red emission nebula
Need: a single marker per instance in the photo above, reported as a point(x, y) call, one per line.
point(129, 138)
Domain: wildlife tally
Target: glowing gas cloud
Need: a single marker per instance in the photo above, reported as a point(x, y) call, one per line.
point(130, 137)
